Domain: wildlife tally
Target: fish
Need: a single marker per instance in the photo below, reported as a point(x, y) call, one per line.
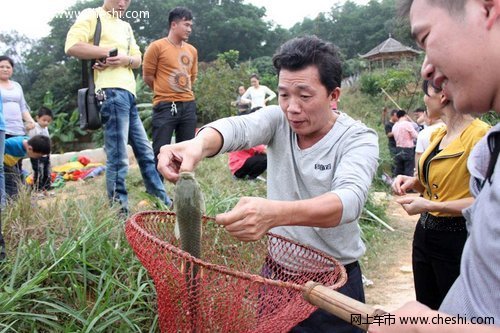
point(189, 208)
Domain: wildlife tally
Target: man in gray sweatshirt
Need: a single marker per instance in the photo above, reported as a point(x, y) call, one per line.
point(320, 165)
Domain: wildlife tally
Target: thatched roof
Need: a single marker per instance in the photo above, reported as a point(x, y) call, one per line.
point(389, 47)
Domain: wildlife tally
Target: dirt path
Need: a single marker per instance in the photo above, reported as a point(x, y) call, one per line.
point(392, 275)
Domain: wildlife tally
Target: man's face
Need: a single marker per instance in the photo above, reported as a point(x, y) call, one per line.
point(461, 53)
point(116, 7)
point(305, 102)
point(182, 29)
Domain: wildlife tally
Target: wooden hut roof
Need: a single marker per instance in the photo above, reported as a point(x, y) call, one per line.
point(387, 47)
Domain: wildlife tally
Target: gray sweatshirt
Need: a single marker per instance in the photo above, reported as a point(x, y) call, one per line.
point(342, 162)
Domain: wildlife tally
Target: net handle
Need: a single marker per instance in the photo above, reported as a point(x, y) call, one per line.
point(346, 308)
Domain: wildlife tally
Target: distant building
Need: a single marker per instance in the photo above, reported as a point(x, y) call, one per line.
point(389, 52)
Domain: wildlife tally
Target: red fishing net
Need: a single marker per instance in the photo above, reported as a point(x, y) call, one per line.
point(238, 287)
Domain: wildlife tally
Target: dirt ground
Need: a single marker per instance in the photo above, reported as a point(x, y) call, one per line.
point(392, 274)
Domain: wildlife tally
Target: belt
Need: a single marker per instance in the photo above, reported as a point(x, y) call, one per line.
point(442, 223)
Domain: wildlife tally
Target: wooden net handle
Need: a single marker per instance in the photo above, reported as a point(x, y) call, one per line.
point(346, 308)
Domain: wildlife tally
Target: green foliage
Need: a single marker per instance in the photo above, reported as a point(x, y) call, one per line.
point(491, 118)
point(370, 83)
point(216, 88)
point(230, 57)
point(264, 66)
point(353, 66)
point(64, 129)
point(356, 29)
point(400, 84)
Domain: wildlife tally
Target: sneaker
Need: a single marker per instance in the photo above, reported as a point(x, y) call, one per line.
point(262, 179)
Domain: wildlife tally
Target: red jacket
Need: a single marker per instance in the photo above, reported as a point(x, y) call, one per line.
point(238, 158)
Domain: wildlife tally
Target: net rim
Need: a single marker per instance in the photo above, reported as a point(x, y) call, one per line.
point(132, 223)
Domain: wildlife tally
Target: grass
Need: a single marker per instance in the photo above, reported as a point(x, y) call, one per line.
point(70, 268)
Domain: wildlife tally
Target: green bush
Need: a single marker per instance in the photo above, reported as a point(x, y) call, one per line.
point(216, 88)
point(370, 84)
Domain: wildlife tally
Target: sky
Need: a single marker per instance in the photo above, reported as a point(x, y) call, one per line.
point(30, 17)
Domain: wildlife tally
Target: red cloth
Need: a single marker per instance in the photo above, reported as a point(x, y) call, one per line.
point(238, 158)
point(84, 160)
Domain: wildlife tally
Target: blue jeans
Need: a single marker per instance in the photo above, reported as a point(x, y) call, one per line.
point(122, 125)
point(2, 176)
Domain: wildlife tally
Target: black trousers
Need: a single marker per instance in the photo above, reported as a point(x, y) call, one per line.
point(41, 173)
point(393, 150)
point(253, 167)
point(167, 120)
point(323, 321)
point(404, 161)
point(436, 263)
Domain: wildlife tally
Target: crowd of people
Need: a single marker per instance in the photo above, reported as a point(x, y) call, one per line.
point(319, 162)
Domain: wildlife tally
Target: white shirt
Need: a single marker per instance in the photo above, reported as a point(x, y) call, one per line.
point(424, 137)
point(258, 96)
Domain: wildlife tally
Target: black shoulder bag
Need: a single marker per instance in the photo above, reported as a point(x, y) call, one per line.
point(88, 105)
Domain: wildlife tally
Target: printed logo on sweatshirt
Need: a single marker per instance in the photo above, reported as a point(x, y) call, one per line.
point(323, 167)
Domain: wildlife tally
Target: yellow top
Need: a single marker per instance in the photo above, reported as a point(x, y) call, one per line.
point(447, 175)
point(174, 70)
point(114, 33)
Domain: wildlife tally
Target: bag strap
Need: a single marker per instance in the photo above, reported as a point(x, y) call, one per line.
point(494, 145)
point(87, 71)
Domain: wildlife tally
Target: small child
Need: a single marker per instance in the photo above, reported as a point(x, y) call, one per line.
point(16, 148)
point(41, 166)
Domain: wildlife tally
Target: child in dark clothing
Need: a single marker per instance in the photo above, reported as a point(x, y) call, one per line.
point(41, 166)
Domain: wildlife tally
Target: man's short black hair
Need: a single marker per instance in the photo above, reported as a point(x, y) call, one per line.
point(401, 113)
point(394, 111)
point(299, 53)
point(179, 14)
point(419, 109)
point(45, 111)
point(40, 144)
